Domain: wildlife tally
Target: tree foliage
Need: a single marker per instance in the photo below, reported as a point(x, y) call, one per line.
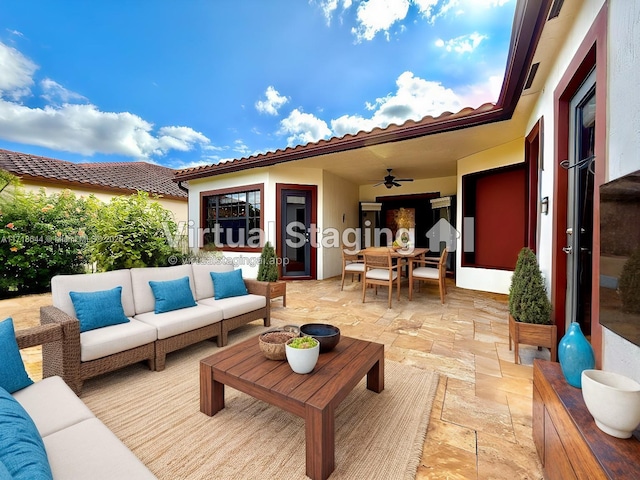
point(528, 301)
point(132, 231)
point(41, 236)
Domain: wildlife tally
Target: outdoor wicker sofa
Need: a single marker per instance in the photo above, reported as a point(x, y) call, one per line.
point(146, 335)
point(77, 443)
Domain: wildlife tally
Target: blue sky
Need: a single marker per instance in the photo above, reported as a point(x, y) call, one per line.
point(202, 81)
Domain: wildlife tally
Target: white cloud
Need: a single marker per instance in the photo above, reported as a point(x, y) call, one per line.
point(180, 138)
point(272, 103)
point(426, 8)
point(16, 72)
point(57, 94)
point(303, 128)
point(463, 44)
point(330, 6)
point(374, 16)
point(77, 128)
point(416, 98)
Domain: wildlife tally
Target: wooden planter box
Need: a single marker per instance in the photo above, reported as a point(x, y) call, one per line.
point(533, 334)
point(278, 289)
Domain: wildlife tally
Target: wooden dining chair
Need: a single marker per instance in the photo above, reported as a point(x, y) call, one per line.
point(351, 263)
point(429, 269)
point(380, 270)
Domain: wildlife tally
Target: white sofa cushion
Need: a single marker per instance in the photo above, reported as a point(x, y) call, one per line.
point(234, 306)
point(180, 321)
point(61, 285)
point(143, 297)
point(105, 341)
point(52, 395)
point(90, 450)
point(202, 278)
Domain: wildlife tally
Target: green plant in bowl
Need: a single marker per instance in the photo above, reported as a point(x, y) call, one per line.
point(303, 342)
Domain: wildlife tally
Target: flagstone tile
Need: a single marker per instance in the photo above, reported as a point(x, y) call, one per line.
point(447, 462)
point(500, 459)
point(480, 425)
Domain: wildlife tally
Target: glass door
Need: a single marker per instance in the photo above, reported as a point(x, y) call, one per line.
point(296, 232)
point(580, 188)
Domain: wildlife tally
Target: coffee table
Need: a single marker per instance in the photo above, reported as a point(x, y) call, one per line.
point(314, 396)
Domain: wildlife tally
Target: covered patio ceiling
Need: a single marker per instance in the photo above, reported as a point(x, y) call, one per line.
point(432, 147)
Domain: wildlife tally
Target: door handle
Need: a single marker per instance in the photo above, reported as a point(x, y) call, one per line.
point(567, 250)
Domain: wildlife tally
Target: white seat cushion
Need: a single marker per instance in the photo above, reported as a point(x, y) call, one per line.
point(90, 450)
point(105, 341)
point(354, 267)
point(426, 272)
point(180, 321)
point(52, 395)
point(381, 274)
point(234, 306)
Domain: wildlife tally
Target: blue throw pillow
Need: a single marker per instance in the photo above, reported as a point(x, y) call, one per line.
point(22, 450)
point(172, 294)
point(98, 309)
point(13, 376)
point(228, 284)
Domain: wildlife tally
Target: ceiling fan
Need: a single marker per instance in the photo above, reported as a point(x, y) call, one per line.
point(391, 181)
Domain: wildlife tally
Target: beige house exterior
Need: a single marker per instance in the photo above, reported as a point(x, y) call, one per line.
point(524, 171)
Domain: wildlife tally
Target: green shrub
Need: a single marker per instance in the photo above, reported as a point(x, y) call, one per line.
point(528, 301)
point(41, 236)
point(268, 268)
point(133, 231)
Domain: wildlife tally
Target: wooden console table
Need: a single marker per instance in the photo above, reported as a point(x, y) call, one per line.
point(569, 443)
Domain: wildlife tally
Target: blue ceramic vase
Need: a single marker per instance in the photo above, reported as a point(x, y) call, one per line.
point(575, 354)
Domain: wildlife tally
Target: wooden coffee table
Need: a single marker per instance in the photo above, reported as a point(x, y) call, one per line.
point(314, 396)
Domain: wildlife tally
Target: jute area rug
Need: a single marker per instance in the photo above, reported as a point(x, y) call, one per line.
point(157, 415)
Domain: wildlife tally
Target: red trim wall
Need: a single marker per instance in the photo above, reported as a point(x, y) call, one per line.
point(591, 52)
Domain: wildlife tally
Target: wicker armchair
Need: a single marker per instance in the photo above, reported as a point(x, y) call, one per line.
point(66, 362)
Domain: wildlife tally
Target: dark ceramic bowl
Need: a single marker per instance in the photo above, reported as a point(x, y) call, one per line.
point(327, 335)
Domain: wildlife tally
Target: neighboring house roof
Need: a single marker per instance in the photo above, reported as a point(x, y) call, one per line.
point(117, 177)
point(529, 20)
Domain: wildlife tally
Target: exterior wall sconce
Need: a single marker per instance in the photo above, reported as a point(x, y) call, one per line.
point(544, 205)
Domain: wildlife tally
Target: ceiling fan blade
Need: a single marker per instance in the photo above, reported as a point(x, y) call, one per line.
point(378, 184)
point(404, 179)
point(396, 184)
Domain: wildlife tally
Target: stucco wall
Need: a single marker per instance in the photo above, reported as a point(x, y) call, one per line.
point(544, 108)
point(496, 281)
point(623, 125)
point(339, 213)
point(336, 197)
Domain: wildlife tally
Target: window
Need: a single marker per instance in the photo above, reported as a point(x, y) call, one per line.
point(232, 218)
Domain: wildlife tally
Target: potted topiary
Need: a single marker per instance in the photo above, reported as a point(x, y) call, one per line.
point(529, 307)
point(268, 272)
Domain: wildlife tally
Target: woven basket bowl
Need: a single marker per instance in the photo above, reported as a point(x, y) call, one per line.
point(272, 344)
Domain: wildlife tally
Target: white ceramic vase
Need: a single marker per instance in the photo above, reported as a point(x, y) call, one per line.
point(613, 400)
point(302, 360)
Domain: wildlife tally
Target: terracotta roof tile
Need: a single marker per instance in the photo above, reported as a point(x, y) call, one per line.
point(122, 176)
point(409, 129)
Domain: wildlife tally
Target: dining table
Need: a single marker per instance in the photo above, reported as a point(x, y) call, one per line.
point(406, 254)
